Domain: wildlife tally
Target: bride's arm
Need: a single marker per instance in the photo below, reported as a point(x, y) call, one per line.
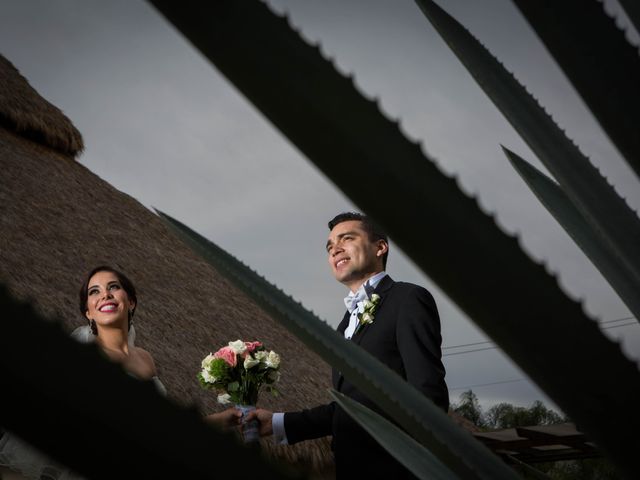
point(229, 418)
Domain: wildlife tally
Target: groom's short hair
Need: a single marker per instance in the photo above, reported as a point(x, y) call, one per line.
point(373, 230)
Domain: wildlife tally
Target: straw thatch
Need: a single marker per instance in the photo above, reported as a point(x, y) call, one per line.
point(58, 220)
point(24, 111)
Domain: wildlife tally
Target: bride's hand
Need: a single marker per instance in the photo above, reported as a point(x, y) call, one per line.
point(226, 420)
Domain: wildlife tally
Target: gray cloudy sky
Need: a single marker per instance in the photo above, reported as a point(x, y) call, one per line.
point(161, 124)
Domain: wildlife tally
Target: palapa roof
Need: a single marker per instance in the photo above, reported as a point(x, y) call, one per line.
point(58, 220)
point(24, 111)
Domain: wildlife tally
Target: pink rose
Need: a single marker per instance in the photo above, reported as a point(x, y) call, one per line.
point(251, 346)
point(228, 355)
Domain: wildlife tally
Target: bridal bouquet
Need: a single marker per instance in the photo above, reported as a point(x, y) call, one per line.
point(239, 370)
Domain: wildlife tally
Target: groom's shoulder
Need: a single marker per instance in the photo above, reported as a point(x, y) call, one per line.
point(408, 289)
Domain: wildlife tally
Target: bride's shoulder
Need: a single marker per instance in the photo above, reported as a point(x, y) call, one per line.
point(148, 369)
point(145, 359)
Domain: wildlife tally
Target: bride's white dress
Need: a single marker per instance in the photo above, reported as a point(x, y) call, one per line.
point(21, 457)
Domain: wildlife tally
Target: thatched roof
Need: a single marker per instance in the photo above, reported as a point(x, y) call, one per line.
point(24, 111)
point(58, 220)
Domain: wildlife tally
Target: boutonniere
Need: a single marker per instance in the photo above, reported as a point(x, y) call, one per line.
point(368, 313)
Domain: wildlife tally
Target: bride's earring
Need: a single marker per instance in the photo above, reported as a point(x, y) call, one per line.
point(94, 328)
point(130, 319)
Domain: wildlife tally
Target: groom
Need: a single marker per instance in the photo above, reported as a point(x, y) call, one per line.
point(404, 334)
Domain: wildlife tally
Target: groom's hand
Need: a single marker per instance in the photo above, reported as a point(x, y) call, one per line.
point(264, 418)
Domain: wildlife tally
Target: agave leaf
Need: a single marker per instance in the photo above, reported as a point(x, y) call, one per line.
point(417, 459)
point(587, 189)
point(412, 410)
point(632, 8)
point(66, 399)
point(554, 199)
point(514, 300)
point(601, 64)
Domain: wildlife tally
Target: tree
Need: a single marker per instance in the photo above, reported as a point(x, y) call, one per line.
point(505, 415)
point(469, 408)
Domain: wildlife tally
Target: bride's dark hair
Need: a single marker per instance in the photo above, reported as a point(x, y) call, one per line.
point(127, 285)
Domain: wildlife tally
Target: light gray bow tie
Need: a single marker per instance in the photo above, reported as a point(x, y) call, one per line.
point(351, 301)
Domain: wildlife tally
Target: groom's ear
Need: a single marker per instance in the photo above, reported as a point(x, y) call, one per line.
point(383, 247)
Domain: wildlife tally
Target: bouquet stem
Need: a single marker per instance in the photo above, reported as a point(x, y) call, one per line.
point(250, 431)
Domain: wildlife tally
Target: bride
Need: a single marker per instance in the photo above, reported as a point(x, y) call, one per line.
point(108, 300)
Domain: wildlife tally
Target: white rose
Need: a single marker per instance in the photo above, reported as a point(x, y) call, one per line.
point(238, 347)
point(375, 298)
point(224, 398)
point(206, 363)
point(261, 356)
point(207, 377)
point(273, 360)
point(367, 318)
point(249, 362)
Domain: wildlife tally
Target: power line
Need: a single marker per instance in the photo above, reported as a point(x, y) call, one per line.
point(466, 345)
point(469, 351)
point(622, 325)
point(618, 320)
point(487, 384)
point(493, 346)
point(514, 380)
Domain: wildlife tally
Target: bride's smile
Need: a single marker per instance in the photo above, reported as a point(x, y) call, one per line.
point(108, 307)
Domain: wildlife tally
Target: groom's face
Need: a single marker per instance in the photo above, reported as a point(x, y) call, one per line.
point(353, 257)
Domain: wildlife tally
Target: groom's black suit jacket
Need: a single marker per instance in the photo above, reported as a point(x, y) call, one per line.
point(405, 335)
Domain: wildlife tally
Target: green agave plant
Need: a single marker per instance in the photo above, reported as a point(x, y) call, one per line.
point(610, 222)
point(420, 461)
point(601, 64)
point(554, 200)
point(608, 214)
point(605, 69)
point(632, 8)
point(302, 94)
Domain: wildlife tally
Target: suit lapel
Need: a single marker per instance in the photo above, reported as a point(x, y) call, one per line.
point(344, 323)
point(385, 284)
point(336, 376)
